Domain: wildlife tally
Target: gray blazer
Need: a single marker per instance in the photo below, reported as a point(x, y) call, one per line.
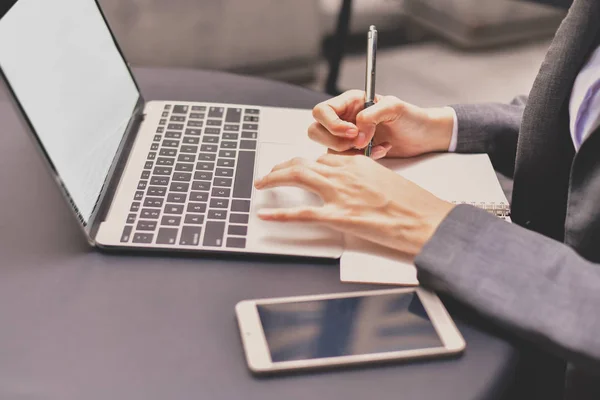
point(540, 276)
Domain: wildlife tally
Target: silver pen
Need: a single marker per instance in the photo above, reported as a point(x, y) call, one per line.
point(370, 76)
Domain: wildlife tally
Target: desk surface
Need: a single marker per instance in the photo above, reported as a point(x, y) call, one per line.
point(81, 324)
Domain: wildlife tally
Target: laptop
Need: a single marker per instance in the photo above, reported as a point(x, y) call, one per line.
point(156, 175)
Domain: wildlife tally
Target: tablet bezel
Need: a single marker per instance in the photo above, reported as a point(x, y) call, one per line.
point(258, 355)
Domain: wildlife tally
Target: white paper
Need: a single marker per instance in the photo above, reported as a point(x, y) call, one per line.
point(468, 178)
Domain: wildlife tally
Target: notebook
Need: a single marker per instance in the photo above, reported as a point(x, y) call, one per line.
point(458, 178)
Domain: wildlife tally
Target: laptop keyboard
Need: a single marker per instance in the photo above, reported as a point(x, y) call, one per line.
point(196, 186)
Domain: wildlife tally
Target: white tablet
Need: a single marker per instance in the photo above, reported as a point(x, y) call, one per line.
point(293, 333)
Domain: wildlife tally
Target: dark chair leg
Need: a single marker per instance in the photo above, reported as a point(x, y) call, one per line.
point(338, 48)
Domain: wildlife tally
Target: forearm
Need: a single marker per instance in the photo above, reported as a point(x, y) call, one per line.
point(538, 287)
point(492, 129)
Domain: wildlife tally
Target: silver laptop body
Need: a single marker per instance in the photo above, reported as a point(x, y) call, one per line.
point(159, 175)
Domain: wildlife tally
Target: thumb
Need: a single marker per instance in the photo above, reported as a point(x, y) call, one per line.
point(385, 109)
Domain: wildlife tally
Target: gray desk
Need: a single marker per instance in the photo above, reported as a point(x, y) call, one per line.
point(79, 324)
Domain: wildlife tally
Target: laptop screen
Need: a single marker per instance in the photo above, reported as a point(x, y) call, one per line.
point(70, 79)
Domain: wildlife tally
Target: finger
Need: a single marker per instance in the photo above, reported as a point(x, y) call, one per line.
point(381, 150)
point(328, 113)
point(377, 152)
point(298, 176)
point(387, 109)
point(320, 134)
point(301, 163)
point(296, 214)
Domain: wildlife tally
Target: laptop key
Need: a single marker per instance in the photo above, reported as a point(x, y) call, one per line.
point(198, 108)
point(182, 176)
point(205, 166)
point(226, 172)
point(208, 147)
point(230, 136)
point(193, 132)
point(219, 203)
point(213, 234)
point(142, 237)
point(168, 152)
point(162, 121)
point(146, 225)
point(231, 127)
point(253, 111)
point(173, 135)
point(176, 197)
point(179, 187)
point(194, 219)
point(162, 171)
point(151, 156)
point(238, 230)
point(177, 118)
point(197, 115)
point(170, 143)
point(135, 206)
point(156, 191)
point(166, 236)
point(207, 157)
point(153, 202)
point(250, 127)
point(148, 165)
point(233, 115)
point(244, 175)
point(176, 209)
point(189, 149)
point(184, 167)
point(131, 218)
point(176, 127)
point(203, 175)
point(154, 146)
point(160, 129)
point(240, 205)
point(195, 124)
point(165, 114)
point(210, 139)
point(227, 154)
point(217, 214)
point(149, 213)
point(159, 180)
point(145, 175)
point(186, 158)
point(170, 220)
point(250, 118)
point(248, 144)
point(142, 185)
point(201, 185)
point(157, 138)
point(221, 192)
point(196, 207)
point(126, 233)
point(212, 131)
point(228, 145)
point(226, 162)
point(191, 140)
point(236, 242)
point(180, 110)
point(168, 161)
point(167, 107)
point(190, 235)
point(214, 122)
point(215, 112)
point(199, 196)
point(139, 195)
point(249, 135)
point(238, 218)
point(225, 182)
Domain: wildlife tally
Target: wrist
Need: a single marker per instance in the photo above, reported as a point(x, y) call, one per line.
point(428, 223)
point(440, 127)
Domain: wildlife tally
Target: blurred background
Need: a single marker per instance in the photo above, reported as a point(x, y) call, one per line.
point(431, 52)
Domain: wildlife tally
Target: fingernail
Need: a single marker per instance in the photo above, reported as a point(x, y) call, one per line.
point(351, 132)
point(360, 138)
point(258, 182)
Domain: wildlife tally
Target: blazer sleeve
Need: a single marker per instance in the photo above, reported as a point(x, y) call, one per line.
point(531, 284)
point(491, 128)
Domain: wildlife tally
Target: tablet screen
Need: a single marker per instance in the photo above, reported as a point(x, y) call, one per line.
point(347, 326)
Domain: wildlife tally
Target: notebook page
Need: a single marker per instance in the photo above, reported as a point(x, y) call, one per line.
point(468, 178)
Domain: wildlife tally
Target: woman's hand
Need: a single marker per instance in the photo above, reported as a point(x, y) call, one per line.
point(398, 129)
point(361, 197)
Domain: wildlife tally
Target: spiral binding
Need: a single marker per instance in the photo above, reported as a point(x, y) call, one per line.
point(501, 210)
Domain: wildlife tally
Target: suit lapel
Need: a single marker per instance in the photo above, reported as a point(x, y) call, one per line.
point(545, 150)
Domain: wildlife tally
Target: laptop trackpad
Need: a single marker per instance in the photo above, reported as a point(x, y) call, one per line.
point(296, 238)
